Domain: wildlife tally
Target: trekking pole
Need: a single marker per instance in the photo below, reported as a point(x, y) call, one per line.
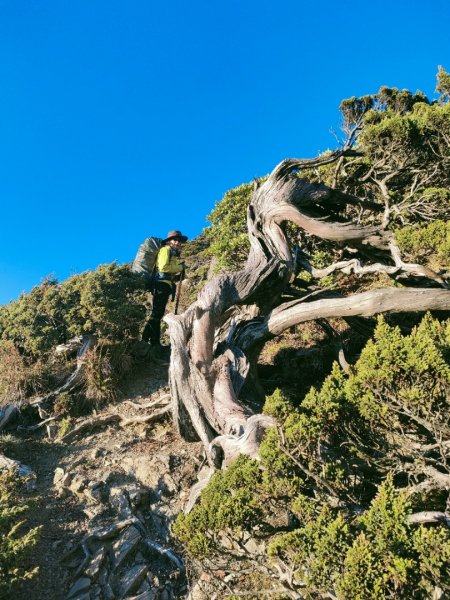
point(178, 294)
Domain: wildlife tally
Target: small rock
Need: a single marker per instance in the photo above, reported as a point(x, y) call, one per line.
point(139, 497)
point(96, 492)
point(125, 546)
point(164, 595)
point(118, 499)
point(14, 465)
point(7, 413)
point(96, 563)
point(66, 479)
point(167, 485)
point(147, 595)
point(107, 476)
point(78, 485)
point(63, 492)
point(197, 593)
point(92, 511)
point(52, 430)
point(252, 547)
point(131, 581)
point(30, 484)
point(80, 586)
point(96, 453)
point(59, 474)
point(108, 594)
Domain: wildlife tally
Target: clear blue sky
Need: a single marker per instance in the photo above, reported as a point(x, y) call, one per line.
point(123, 119)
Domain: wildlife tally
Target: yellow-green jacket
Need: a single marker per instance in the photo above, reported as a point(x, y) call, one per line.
point(168, 265)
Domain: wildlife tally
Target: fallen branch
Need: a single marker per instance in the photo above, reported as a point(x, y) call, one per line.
point(152, 404)
point(146, 419)
point(97, 422)
point(90, 424)
point(30, 428)
point(155, 547)
point(429, 516)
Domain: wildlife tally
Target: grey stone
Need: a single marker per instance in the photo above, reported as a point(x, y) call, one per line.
point(197, 593)
point(164, 595)
point(107, 476)
point(9, 464)
point(80, 586)
point(167, 485)
point(125, 546)
point(96, 563)
point(139, 497)
point(58, 475)
point(63, 492)
point(7, 413)
point(78, 484)
point(108, 594)
point(252, 547)
point(66, 479)
point(96, 453)
point(118, 499)
point(148, 595)
point(132, 579)
point(96, 492)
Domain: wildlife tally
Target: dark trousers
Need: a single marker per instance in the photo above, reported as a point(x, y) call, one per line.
point(152, 329)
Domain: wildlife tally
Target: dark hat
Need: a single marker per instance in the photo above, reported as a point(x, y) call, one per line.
point(175, 235)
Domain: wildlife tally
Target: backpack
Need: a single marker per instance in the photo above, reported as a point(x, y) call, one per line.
point(145, 261)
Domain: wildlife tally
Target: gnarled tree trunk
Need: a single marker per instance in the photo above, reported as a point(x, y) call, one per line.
point(216, 342)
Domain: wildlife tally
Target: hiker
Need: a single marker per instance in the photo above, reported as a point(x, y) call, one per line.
point(167, 270)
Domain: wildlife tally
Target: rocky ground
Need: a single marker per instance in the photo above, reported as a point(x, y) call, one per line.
point(106, 494)
point(106, 497)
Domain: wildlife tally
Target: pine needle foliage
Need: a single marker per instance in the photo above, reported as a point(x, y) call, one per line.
point(338, 465)
point(15, 541)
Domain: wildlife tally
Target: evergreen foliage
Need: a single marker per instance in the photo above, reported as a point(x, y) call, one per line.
point(15, 543)
point(443, 84)
point(338, 462)
point(404, 162)
point(107, 302)
point(228, 231)
point(104, 302)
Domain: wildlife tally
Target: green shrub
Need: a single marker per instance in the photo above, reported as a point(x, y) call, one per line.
point(427, 244)
point(331, 463)
point(228, 231)
point(107, 302)
point(15, 544)
point(230, 502)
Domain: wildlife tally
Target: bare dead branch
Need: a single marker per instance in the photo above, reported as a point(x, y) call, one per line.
point(429, 516)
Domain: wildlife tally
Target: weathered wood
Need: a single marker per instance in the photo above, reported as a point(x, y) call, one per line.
point(212, 356)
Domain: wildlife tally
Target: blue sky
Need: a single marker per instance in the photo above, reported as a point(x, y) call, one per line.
point(123, 119)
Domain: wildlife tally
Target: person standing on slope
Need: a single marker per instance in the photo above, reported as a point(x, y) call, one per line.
point(169, 268)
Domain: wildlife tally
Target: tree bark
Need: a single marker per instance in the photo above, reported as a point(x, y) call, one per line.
point(215, 346)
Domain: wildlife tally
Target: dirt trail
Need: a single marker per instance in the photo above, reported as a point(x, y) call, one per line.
point(147, 457)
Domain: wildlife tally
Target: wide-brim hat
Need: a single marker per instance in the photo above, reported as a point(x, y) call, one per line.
point(175, 235)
